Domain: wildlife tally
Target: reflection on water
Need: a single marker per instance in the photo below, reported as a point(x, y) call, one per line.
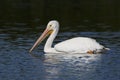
point(17, 64)
point(56, 58)
point(74, 64)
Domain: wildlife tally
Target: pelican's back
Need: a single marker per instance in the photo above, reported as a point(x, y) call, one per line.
point(78, 45)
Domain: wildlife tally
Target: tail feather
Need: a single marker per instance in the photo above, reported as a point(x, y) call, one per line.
point(107, 48)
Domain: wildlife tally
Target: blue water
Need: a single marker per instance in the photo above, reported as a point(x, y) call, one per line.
point(16, 63)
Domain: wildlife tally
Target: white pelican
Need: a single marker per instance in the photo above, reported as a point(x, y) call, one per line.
point(74, 45)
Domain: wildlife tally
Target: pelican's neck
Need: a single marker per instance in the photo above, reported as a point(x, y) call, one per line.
point(48, 45)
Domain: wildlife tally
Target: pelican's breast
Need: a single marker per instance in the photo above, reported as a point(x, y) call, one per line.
point(81, 44)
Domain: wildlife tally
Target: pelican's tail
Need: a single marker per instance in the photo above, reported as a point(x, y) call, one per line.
point(106, 48)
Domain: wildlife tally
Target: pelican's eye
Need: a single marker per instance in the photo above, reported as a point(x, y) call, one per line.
point(50, 25)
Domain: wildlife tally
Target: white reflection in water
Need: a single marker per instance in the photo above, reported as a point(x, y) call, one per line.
point(58, 65)
point(86, 58)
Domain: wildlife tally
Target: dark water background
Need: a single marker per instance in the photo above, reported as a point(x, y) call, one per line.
point(22, 22)
point(89, 14)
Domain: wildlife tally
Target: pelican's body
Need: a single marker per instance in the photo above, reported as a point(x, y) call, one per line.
point(78, 45)
point(74, 45)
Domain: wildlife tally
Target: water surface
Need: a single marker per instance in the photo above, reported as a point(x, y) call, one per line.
point(17, 64)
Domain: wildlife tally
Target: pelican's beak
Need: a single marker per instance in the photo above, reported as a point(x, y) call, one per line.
point(41, 38)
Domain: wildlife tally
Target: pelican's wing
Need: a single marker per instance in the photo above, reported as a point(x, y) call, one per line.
point(79, 44)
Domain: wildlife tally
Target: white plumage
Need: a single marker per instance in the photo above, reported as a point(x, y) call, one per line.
point(74, 45)
point(78, 45)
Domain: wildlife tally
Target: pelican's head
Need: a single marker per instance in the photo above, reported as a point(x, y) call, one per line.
point(51, 26)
